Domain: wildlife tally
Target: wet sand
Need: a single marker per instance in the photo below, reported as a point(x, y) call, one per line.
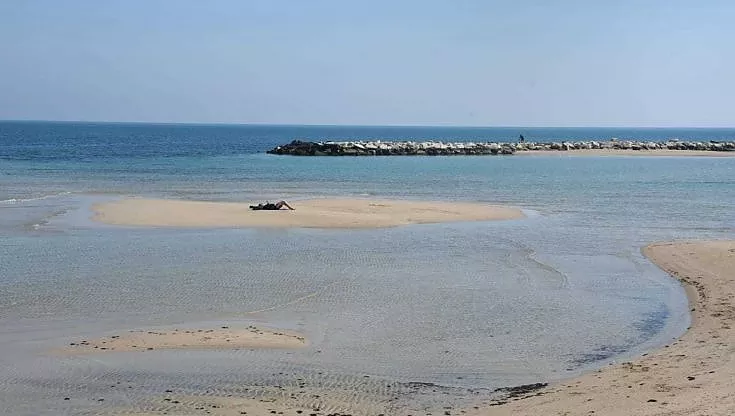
point(269, 401)
point(301, 396)
point(219, 338)
point(692, 376)
point(625, 152)
point(316, 213)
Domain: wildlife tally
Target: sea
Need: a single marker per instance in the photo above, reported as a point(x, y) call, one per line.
point(399, 320)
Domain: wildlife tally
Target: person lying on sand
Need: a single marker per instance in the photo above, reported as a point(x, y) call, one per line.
point(271, 207)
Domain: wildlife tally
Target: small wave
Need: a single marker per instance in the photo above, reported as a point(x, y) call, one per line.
point(20, 200)
point(531, 213)
point(43, 223)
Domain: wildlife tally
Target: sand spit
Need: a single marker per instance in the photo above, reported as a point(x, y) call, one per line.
point(692, 376)
point(315, 213)
point(220, 338)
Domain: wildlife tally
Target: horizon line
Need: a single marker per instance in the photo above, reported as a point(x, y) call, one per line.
point(214, 123)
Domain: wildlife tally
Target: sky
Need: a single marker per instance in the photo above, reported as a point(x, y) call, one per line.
point(666, 63)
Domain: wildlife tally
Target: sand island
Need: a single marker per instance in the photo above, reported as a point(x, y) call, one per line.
point(314, 213)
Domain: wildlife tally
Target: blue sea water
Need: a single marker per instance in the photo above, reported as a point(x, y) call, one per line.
point(462, 305)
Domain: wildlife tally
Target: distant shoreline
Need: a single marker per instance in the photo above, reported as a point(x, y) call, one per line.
point(628, 152)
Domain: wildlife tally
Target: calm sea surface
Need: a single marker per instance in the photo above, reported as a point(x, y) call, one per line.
point(462, 305)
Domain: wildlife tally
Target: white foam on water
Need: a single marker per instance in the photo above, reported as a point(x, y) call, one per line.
point(40, 198)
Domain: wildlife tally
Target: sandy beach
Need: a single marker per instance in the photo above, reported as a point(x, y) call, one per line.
point(210, 338)
point(691, 376)
point(625, 152)
point(315, 213)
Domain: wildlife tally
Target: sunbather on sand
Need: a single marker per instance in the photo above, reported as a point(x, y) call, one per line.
point(271, 207)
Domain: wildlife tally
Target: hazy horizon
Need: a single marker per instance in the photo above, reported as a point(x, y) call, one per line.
point(658, 64)
point(449, 126)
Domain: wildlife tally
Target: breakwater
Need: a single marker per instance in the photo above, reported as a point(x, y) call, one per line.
point(434, 148)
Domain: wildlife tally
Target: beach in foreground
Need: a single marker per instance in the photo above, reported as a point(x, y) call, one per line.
point(691, 376)
point(314, 213)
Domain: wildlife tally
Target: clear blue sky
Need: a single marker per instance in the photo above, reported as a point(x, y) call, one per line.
point(385, 62)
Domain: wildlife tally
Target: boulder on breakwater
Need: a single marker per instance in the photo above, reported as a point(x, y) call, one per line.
point(434, 148)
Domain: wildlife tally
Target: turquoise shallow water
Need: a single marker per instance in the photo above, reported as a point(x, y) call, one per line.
point(463, 305)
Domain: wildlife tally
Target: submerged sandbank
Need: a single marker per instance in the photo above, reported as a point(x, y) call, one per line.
point(691, 376)
point(219, 338)
point(315, 213)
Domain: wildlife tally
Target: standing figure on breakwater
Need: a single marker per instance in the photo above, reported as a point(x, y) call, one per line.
point(521, 139)
point(271, 207)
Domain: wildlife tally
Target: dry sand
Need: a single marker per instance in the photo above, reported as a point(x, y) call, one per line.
point(316, 213)
point(219, 338)
point(626, 152)
point(693, 376)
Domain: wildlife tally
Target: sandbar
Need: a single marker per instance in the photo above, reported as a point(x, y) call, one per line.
point(314, 213)
point(211, 338)
point(625, 152)
point(691, 376)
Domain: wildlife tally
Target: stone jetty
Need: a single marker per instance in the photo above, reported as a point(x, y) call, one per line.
point(435, 148)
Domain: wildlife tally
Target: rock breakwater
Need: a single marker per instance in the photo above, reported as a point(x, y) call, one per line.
point(435, 148)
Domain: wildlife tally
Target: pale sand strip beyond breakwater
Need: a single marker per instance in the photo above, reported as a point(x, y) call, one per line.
point(625, 152)
point(315, 213)
point(692, 376)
